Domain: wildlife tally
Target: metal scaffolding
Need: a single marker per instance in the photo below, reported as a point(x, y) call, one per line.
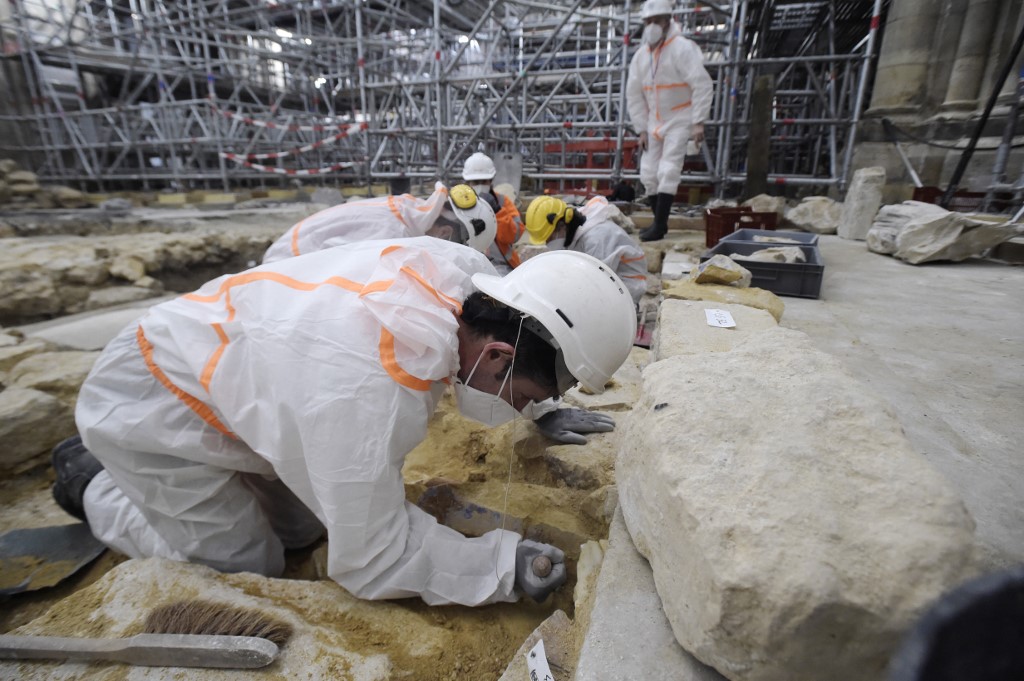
point(231, 93)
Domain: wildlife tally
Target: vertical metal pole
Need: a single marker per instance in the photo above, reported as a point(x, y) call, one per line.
point(869, 51)
point(361, 63)
point(441, 108)
point(620, 124)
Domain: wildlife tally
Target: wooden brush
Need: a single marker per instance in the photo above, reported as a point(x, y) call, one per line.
point(192, 633)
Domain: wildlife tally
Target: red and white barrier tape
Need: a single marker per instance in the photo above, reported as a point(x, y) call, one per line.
point(240, 160)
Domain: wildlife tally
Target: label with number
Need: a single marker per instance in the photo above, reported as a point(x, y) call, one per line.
point(720, 318)
point(537, 663)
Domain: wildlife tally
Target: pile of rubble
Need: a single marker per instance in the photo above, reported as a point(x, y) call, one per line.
point(21, 189)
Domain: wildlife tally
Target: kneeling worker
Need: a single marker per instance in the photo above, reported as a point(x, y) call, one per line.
point(551, 221)
point(276, 404)
point(454, 215)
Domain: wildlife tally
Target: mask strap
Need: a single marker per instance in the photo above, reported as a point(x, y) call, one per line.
point(512, 454)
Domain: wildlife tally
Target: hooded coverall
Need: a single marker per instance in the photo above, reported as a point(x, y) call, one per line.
point(668, 91)
point(276, 404)
point(387, 217)
point(606, 241)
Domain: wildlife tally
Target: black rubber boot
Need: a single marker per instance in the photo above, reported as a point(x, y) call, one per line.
point(662, 209)
point(75, 467)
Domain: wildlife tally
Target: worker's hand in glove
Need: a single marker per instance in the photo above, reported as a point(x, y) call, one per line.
point(566, 425)
point(538, 578)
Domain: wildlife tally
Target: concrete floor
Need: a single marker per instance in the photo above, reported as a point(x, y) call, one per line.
point(944, 344)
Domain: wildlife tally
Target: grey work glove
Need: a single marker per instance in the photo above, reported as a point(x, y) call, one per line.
point(528, 581)
point(565, 425)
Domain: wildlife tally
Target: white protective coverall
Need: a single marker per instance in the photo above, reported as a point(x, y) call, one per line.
point(667, 92)
point(270, 405)
point(386, 217)
point(606, 241)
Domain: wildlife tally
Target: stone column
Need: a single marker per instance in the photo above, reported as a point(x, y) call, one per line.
point(972, 55)
point(905, 58)
point(1013, 19)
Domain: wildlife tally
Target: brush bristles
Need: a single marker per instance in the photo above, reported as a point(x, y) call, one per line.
point(216, 619)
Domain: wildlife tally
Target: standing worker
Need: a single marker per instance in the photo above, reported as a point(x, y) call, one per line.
point(276, 404)
point(668, 95)
point(455, 215)
point(553, 222)
point(479, 172)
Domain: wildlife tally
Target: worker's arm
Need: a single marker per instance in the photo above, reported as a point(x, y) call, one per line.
point(636, 104)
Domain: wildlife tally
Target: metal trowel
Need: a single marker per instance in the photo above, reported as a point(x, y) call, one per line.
point(42, 557)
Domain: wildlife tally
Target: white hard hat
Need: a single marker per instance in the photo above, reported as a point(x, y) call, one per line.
point(581, 302)
point(475, 215)
point(655, 8)
point(479, 166)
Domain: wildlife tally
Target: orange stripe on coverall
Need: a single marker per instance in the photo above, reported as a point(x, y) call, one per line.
point(295, 237)
point(201, 409)
point(394, 209)
point(388, 361)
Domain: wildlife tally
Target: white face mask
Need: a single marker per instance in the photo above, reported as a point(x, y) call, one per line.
point(653, 33)
point(486, 408)
point(557, 244)
point(480, 187)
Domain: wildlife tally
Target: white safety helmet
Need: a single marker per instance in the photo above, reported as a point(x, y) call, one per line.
point(656, 8)
point(580, 302)
point(479, 166)
point(476, 216)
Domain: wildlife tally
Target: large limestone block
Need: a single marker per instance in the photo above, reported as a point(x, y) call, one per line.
point(793, 533)
point(817, 214)
point(891, 220)
point(31, 423)
point(952, 236)
point(683, 328)
point(60, 374)
point(751, 297)
point(863, 199)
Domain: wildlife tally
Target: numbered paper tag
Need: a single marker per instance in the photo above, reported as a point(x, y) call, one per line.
point(537, 663)
point(720, 318)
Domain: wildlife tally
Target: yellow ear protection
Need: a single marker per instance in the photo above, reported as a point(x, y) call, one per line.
point(568, 215)
point(462, 196)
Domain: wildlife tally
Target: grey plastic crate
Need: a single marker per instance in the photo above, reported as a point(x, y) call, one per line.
point(748, 234)
point(801, 280)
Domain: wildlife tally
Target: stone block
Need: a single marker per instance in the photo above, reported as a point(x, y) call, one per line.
point(751, 297)
point(817, 214)
point(796, 535)
point(891, 220)
point(60, 374)
point(863, 199)
point(559, 648)
point(953, 237)
point(172, 200)
point(31, 423)
point(11, 355)
point(676, 265)
point(764, 203)
point(721, 269)
point(683, 328)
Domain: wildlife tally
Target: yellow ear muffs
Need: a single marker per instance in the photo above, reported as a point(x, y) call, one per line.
point(569, 215)
point(463, 196)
